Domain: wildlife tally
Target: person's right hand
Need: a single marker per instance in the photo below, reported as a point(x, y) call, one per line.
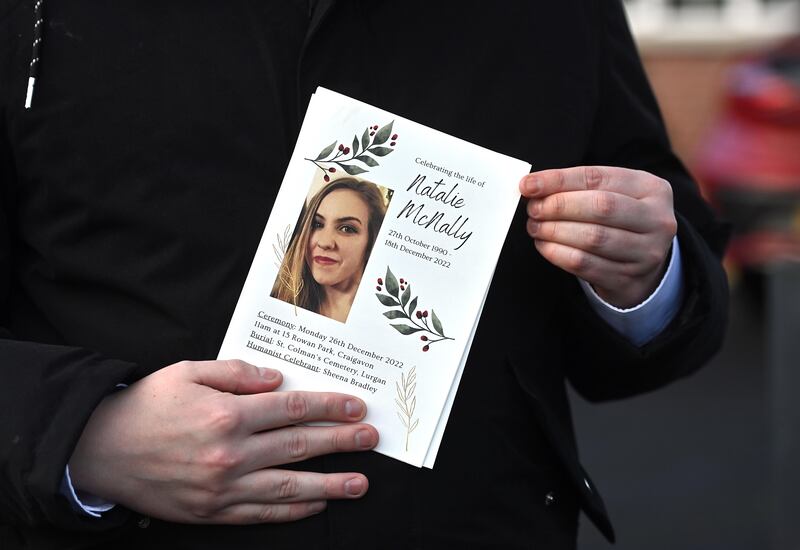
point(198, 442)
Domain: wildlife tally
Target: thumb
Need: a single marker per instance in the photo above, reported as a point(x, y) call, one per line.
point(235, 376)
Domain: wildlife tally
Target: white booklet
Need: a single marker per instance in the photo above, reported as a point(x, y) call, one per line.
point(374, 266)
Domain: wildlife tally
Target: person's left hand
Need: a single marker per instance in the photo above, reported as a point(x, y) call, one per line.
point(612, 227)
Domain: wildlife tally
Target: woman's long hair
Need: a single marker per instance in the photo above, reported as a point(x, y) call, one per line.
point(294, 283)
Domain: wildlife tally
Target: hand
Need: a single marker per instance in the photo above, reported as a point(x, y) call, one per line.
point(612, 227)
point(197, 442)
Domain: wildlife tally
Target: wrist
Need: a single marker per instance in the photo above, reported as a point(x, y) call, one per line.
point(86, 464)
point(632, 293)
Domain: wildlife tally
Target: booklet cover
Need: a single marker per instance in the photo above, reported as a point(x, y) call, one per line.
point(374, 266)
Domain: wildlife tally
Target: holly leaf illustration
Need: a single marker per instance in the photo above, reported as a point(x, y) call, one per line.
point(394, 314)
point(387, 300)
point(405, 329)
point(413, 306)
point(436, 323)
point(391, 283)
point(369, 161)
point(380, 151)
point(327, 151)
point(406, 295)
point(355, 145)
point(383, 134)
point(365, 139)
point(351, 169)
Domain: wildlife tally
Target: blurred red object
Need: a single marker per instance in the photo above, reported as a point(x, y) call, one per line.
point(750, 163)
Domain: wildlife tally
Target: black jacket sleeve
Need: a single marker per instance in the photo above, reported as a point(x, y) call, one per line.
point(629, 132)
point(47, 392)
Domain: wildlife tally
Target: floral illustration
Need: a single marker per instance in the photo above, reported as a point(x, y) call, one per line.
point(405, 307)
point(406, 401)
point(361, 152)
point(281, 245)
point(287, 278)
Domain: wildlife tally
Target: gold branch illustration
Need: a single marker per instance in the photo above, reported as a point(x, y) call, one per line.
point(406, 401)
point(293, 283)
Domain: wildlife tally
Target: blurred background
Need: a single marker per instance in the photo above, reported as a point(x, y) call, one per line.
point(713, 461)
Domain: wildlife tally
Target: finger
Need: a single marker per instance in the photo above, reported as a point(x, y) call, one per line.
point(607, 242)
point(634, 183)
point(600, 207)
point(589, 267)
point(248, 514)
point(293, 444)
point(233, 376)
point(272, 485)
point(268, 411)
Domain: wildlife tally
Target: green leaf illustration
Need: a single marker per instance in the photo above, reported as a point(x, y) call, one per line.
point(395, 314)
point(365, 139)
point(369, 161)
point(391, 283)
point(405, 329)
point(383, 134)
point(406, 295)
point(355, 145)
point(413, 306)
point(387, 300)
point(351, 169)
point(437, 325)
point(327, 151)
point(380, 151)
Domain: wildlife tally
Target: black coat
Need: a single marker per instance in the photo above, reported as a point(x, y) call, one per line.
point(135, 191)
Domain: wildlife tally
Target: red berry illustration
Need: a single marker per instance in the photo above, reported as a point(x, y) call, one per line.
point(372, 133)
point(402, 281)
point(419, 315)
point(327, 178)
point(378, 288)
point(392, 144)
point(331, 169)
point(423, 338)
point(394, 137)
point(425, 313)
point(402, 287)
point(426, 348)
point(341, 147)
point(375, 127)
point(380, 281)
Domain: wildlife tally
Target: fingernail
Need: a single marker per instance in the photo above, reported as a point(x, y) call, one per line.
point(317, 507)
point(533, 227)
point(354, 408)
point(354, 487)
point(533, 207)
point(532, 184)
point(269, 375)
point(364, 439)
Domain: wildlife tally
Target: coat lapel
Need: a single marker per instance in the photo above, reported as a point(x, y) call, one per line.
point(319, 12)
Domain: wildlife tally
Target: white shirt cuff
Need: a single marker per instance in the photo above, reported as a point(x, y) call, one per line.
point(83, 502)
point(86, 503)
point(643, 322)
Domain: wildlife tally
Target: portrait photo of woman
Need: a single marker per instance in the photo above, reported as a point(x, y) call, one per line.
point(325, 260)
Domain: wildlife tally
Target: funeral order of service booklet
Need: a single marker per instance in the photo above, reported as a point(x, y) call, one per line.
point(374, 267)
